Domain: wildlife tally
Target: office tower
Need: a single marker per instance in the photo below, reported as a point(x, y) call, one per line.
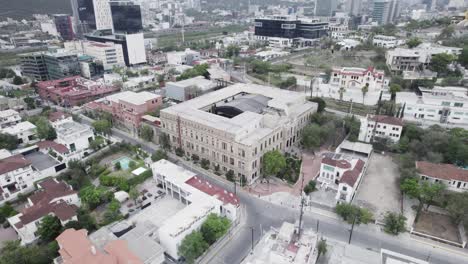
point(353, 7)
point(91, 15)
point(61, 64)
point(64, 26)
point(33, 66)
point(126, 16)
point(325, 7)
point(385, 11)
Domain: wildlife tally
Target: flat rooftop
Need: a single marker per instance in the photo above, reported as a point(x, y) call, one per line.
point(70, 128)
point(41, 161)
point(131, 97)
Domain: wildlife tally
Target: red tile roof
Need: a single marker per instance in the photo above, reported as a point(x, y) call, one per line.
point(350, 177)
point(47, 144)
point(13, 163)
point(213, 190)
point(342, 164)
point(51, 189)
point(442, 171)
point(386, 120)
point(54, 116)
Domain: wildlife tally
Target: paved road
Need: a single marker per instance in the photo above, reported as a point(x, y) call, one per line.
point(263, 215)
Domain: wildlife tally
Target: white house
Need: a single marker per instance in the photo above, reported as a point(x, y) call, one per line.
point(341, 173)
point(455, 178)
point(380, 126)
point(8, 118)
point(52, 198)
point(58, 118)
point(24, 131)
point(187, 57)
point(75, 136)
point(386, 41)
point(440, 105)
point(356, 78)
point(16, 176)
point(200, 197)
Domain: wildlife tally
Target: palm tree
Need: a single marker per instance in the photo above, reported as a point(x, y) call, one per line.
point(322, 247)
point(364, 91)
point(341, 91)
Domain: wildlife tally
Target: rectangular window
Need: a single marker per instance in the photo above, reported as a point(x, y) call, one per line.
point(328, 168)
point(288, 26)
point(445, 103)
point(258, 24)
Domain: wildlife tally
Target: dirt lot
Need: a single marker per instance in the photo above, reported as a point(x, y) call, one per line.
point(438, 225)
point(379, 190)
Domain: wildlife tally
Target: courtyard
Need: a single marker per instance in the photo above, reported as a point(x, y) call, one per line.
point(379, 190)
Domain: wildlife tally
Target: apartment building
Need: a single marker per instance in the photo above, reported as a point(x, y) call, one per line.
point(52, 198)
point(16, 175)
point(24, 131)
point(453, 177)
point(387, 42)
point(416, 59)
point(186, 57)
point(33, 66)
point(127, 108)
point(72, 91)
point(380, 126)
point(233, 127)
point(74, 136)
point(109, 53)
point(8, 118)
point(356, 78)
point(200, 198)
point(61, 65)
point(444, 105)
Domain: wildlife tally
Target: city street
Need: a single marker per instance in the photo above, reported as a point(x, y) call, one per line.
point(262, 215)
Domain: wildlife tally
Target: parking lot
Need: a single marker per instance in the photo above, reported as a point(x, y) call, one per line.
point(379, 190)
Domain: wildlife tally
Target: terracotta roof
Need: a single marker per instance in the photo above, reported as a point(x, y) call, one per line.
point(13, 163)
point(351, 176)
point(386, 120)
point(60, 148)
point(442, 171)
point(342, 164)
point(51, 189)
point(213, 190)
point(75, 248)
point(54, 116)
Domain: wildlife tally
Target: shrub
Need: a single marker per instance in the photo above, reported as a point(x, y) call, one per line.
point(132, 164)
point(205, 164)
point(117, 166)
point(310, 187)
point(351, 213)
point(179, 152)
point(394, 223)
point(230, 175)
point(195, 158)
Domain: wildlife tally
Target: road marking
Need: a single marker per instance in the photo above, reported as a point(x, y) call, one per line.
point(439, 246)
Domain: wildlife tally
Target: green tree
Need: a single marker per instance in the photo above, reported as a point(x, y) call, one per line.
point(430, 193)
point(146, 133)
point(310, 187)
point(102, 126)
point(350, 213)
point(394, 223)
point(463, 57)
point(158, 155)
point(17, 80)
point(440, 62)
point(165, 141)
point(6, 211)
point(93, 196)
point(273, 163)
point(86, 220)
point(73, 224)
point(312, 136)
point(13, 253)
point(394, 89)
point(322, 248)
point(197, 70)
point(117, 166)
point(8, 141)
point(321, 103)
point(260, 67)
point(49, 228)
point(364, 91)
point(133, 194)
point(232, 51)
point(413, 42)
point(43, 128)
point(230, 175)
point(214, 228)
point(205, 163)
point(457, 206)
point(30, 102)
point(192, 246)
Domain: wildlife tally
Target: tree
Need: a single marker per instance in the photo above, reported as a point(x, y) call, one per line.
point(73, 224)
point(310, 187)
point(273, 163)
point(364, 91)
point(96, 143)
point(394, 88)
point(230, 175)
point(457, 206)
point(394, 223)
point(312, 136)
point(341, 92)
point(413, 42)
point(146, 133)
point(13, 253)
point(164, 141)
point(49, 228)
point(17, 80)
point(440, 62)
point(351, 213)
point(322, 247)
point(132, 164)
point(117, 166)
point(195, 158)
point(93, 196)
point(197, 70)
point(158, 155)
point(321, 104)
point(102, 127)
point(193, 246)
point(6, 211)
point(463, 57)
point(86, 220)
point(8, 141)
point(30, 102)
point(232, 51)
point(43, 127)
point(214, 228)
point(430, 193)
point(205, 164)
point(133, 194)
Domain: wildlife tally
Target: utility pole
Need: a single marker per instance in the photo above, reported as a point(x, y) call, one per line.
point(351, 231)
point(252, 239)
point(235, 187)
point(302, 209)
point(318, 222)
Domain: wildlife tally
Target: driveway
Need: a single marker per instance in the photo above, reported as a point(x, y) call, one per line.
point(379, 190)
point(7, 234)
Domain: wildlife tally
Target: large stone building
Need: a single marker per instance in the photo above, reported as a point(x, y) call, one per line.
point(233, 127)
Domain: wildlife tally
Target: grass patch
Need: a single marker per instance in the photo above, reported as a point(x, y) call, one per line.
point(344, 106)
